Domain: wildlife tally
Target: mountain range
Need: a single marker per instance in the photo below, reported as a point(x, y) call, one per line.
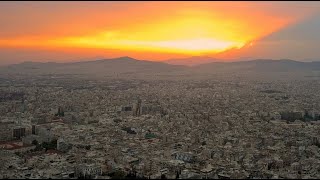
point(127, 65)
point(192, 61)
point(104, 66)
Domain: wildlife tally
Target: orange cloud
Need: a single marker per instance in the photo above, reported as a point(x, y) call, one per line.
point(191, 28)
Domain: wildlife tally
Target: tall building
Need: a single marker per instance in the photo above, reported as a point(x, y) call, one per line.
point(6, 131)
point(137, 108)
point(85, 170)
point(19, 132)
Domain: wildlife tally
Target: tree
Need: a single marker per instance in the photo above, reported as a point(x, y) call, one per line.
point(88, 147)
point(163, 176)
point(118, 175)
point(60, 112)
point(50, 145)
point(177, 175)
point(38, 147)
point(34, 142)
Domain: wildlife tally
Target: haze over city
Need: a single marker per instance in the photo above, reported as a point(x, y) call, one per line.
point(159, 90)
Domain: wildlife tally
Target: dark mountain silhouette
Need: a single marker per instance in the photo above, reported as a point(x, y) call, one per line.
point(100, 67)
point(127, 65)
point(260, 65)
point(191, 61)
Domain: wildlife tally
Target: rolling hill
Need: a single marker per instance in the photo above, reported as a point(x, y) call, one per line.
point(260, 65)
point(129, 67)
point(121, 65)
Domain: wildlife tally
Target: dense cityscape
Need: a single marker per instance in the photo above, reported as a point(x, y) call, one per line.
point(160, 90)
point(63, 126)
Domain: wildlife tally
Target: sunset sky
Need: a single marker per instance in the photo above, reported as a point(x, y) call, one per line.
point(75, 31)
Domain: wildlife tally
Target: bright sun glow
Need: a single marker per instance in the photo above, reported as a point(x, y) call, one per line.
point(181, 35)
point(187, 46)
point(182, 28)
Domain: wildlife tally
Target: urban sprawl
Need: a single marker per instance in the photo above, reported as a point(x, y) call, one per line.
point(68, 127)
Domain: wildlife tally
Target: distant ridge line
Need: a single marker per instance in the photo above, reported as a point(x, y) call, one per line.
point(166, 61)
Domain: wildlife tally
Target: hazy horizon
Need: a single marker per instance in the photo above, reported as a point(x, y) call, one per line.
point(188, 61)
